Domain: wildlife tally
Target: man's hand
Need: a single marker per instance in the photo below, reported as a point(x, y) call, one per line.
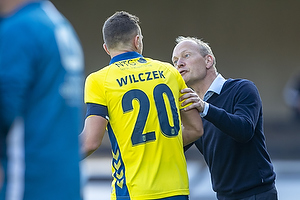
point(189, 96)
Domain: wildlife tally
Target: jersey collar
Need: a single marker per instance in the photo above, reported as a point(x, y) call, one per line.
point(125, 56)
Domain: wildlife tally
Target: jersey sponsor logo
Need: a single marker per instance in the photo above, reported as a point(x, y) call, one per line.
point(142, 60)
point(141, 77)
point(123, 63)
point(130, 62)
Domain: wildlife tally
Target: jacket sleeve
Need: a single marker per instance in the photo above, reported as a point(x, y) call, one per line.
point(241, 123)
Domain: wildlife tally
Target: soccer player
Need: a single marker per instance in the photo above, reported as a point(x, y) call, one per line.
point(233, 144)
point(41, 101)
point(137, 99)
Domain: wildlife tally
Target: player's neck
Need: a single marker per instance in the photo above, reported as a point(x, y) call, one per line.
point(118, 51)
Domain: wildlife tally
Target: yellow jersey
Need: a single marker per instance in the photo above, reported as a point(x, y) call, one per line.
point(140, 99)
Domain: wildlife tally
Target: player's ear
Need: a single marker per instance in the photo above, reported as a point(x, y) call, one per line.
point(137, 41)
point(106, 49)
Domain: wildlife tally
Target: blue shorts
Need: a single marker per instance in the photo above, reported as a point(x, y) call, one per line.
point(181, 197)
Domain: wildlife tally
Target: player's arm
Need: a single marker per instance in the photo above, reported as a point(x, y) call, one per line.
point(94, 128)
point(92, 134)
point(192, 128)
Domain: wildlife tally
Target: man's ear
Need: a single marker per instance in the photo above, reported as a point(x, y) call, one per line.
point(106, 49)
point(137, 41)
point(209, 61)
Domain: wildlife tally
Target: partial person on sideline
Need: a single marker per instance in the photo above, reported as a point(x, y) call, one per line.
point(41, 102)
point(1, 176)
point(291, 94)
point(233, 143)
point(137, 99)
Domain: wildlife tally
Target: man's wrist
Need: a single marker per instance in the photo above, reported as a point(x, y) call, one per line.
point(205, 110)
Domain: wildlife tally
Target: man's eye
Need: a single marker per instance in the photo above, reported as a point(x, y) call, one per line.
point(187, 55)
point(174, 62)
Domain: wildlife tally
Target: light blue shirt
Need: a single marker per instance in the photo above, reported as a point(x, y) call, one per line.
point(215, 87)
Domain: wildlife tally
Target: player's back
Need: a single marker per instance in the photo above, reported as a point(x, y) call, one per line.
point(142, 97)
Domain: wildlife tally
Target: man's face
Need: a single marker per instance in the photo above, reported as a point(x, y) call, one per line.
point(189, 62)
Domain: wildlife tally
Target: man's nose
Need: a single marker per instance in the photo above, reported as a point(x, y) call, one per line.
point(180, 63)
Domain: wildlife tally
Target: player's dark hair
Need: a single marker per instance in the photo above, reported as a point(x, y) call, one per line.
point(120, 28)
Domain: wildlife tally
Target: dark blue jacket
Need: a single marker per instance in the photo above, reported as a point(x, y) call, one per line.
point(233, 143)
